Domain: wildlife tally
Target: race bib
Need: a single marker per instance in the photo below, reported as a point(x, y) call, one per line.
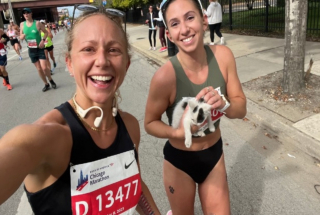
point(32, 44)
point(3, 52)
point(108, 186)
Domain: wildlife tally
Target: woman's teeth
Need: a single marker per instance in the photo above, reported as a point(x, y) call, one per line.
point(101, 78)
point(187, 40)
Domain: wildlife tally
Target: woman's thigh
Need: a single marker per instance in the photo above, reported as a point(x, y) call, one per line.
point(51, 54)
point(180, 189)
point(214, 191)
point(2, 70)
point(46, 53)
point(16, 46)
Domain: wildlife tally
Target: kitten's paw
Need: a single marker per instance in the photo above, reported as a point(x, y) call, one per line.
point(212, 129)
point(188, 143)
point(201, 134)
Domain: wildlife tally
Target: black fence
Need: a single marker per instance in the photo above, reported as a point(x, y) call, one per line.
point(266, 15)
point(263, 15)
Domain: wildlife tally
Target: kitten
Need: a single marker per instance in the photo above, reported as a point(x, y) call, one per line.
point(197, 114)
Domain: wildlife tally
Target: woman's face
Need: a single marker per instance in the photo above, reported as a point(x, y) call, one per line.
point(185, 24)
point(150, 9)
point(98, 59)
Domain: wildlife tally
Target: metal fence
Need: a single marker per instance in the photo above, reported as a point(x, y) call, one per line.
point(266, 15)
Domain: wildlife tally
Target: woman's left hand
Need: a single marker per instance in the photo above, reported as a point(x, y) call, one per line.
point(211, 97)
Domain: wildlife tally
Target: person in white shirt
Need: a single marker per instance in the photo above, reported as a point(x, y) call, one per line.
point(214, 14)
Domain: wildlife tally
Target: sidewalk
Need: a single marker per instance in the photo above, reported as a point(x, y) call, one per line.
point(256, 57)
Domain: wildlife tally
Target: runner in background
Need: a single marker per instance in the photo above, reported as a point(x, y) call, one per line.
point(57, 26)
point(16, 27)
point(3, 60)
point(48, 47)
point(54, 27)
point(30, 31)
point(13, 36)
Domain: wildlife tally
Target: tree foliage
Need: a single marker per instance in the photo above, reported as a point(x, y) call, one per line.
point(98, 3)
point(125, 4)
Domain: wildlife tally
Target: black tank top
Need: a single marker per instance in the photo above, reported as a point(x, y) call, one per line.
point(56, 199)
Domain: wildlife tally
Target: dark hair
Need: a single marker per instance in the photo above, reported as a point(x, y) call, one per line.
point(166, 5)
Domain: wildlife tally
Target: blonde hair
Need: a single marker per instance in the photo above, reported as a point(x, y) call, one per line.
point(117, 20)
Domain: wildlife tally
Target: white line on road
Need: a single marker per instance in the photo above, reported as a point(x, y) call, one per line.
point(16, 54)
point(24, 206)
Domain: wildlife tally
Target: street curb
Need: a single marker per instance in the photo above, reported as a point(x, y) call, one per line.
point(145, 53)
point(282, 128)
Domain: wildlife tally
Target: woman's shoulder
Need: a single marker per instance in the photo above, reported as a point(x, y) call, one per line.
point(50, 124)
point(221, 51)
point(165, 73)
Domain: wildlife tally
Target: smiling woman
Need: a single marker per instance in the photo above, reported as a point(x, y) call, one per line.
point(207, 73)
point(82, 157)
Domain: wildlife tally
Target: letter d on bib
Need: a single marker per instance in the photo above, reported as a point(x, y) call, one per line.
point(79, 211)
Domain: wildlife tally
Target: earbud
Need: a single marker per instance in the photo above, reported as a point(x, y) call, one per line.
point(114, 111)
point(83, 113)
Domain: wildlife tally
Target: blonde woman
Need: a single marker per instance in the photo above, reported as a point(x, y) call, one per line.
point(82, 157)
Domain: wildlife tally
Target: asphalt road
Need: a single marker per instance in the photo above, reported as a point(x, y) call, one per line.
point(265, 176)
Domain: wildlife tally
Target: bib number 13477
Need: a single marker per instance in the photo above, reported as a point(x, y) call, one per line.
point(110, 200)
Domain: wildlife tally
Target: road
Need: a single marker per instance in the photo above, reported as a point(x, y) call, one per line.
point(265, 176)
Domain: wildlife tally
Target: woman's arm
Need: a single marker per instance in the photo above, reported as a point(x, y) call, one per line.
point(49, 33)
point(23, 150)
point(146, 205)
point(234, 92)
point(22, 35)
point(209, 11)
point(162, 87)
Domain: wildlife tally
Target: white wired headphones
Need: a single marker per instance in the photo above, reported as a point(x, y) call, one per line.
point(82, 113)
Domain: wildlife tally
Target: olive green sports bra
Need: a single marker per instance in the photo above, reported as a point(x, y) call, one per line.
point(185, 88)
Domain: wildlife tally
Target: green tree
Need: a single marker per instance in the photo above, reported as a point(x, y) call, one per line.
point(125, 4)
point(99, 3)
point(62, 18)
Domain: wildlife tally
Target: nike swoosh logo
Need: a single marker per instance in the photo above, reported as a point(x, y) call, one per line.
point(127, 166)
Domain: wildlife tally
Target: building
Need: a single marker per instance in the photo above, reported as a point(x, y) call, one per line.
point(63, 12)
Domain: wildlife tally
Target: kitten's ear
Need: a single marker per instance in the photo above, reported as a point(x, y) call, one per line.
point(192, 103)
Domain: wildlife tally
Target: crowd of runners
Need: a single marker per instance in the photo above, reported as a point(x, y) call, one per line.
point(39, 41)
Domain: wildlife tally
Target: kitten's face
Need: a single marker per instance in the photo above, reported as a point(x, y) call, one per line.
point(199, 111)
